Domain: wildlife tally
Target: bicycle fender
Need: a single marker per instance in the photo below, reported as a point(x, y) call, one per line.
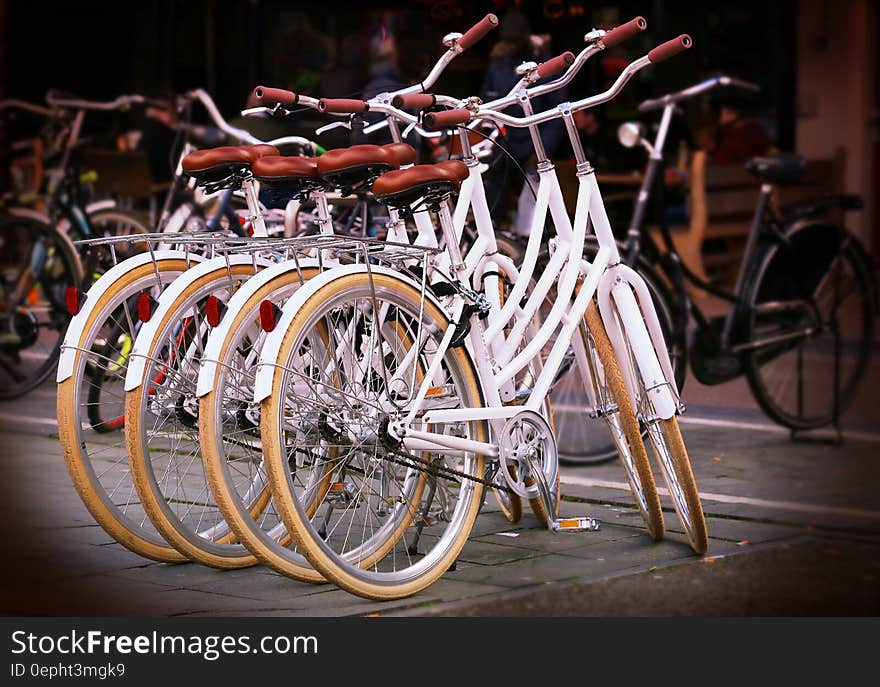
point(77, 324)
point(268, 364)
point(648, 365)
point(213, 348)
point(30, 214)
point(100, 205)
point(146, 338)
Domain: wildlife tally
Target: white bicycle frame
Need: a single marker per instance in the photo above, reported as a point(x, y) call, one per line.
point(624, 301)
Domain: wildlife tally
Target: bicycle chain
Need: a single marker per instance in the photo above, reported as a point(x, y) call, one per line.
point(447, 471)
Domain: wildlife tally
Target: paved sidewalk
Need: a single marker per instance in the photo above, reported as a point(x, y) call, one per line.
point(781, 515)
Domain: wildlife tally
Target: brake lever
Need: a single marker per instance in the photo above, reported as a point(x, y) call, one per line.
point(332, 125)
point(408, 130)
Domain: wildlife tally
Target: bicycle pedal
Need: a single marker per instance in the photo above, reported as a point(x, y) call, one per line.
point(575, 525)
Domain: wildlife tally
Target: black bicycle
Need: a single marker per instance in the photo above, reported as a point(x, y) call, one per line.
point(801, 316)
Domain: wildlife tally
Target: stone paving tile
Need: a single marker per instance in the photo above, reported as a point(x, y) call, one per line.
point(556, 542)
point(74, 559)
point(739, 530)
point(526, 572)
point(190, 574)
point(258, 587)
point(494, 553)
point(629, 554)
point(82, 533)
point(331, 603)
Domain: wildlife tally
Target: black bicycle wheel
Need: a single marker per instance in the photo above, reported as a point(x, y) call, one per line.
point(37, 265)
point(810, 325)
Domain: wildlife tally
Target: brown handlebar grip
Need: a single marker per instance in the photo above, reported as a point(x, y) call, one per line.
point(342, 105)
point(624, 32)
point(670, 48)
point(264, 95)
point(477, 31)
point(413, 101)
point(447, 118)
point(558, 64)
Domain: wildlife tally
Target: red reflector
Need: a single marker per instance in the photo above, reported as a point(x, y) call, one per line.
point(145, 306)
point(213, 308)
point(268, 315)
point(250, 231)
point(242, 220)
point(74, 299)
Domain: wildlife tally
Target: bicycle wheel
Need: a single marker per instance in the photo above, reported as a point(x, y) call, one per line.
point(96, 458)
point(229, 435)
point(161, 427)
point(618, 413)
point(37, 265)
point(113, 222)
point(672, 456)
point(670, 453)
point(811, 295)
point(349, 365)
point(105, 386)
point(582, 439)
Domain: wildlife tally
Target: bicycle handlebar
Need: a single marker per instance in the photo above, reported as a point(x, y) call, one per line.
point(121, 103)
point(442, 120)
point(624, 32)
point(263, 95)
point(695, 90)
point(670, 48)
point(477, 31)
point(414, 101)
point(342, 105)
point(661, 52)
point(26, 106)
point(597, 44)
point(555, 65)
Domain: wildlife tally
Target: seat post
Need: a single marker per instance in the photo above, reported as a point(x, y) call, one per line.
point(253, 202)
point(325, 221)
point(452, 247)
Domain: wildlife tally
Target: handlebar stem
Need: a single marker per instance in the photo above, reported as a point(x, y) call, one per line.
point(537, 143)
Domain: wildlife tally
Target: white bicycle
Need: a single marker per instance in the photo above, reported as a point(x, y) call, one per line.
point(225, 383)
point(402, 399)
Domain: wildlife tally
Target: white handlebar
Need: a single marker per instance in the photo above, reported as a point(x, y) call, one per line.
point(697, 89)
point(121, 103)
point(28, 107)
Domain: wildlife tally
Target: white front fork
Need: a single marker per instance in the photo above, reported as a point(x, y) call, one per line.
point(617, 297)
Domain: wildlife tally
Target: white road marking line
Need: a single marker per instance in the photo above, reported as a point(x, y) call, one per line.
point(10, 417)
point(727, 498)
point(760, 426)
point(738, 424)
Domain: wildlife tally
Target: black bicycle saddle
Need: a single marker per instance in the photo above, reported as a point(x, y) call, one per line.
point(781, 169)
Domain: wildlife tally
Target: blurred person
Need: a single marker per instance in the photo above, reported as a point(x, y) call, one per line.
point(347, 76)
point(733, 137)
point(158, 134)
point(504, 180)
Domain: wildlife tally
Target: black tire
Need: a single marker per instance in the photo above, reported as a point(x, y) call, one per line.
point(815, 280)
point(33, 310)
